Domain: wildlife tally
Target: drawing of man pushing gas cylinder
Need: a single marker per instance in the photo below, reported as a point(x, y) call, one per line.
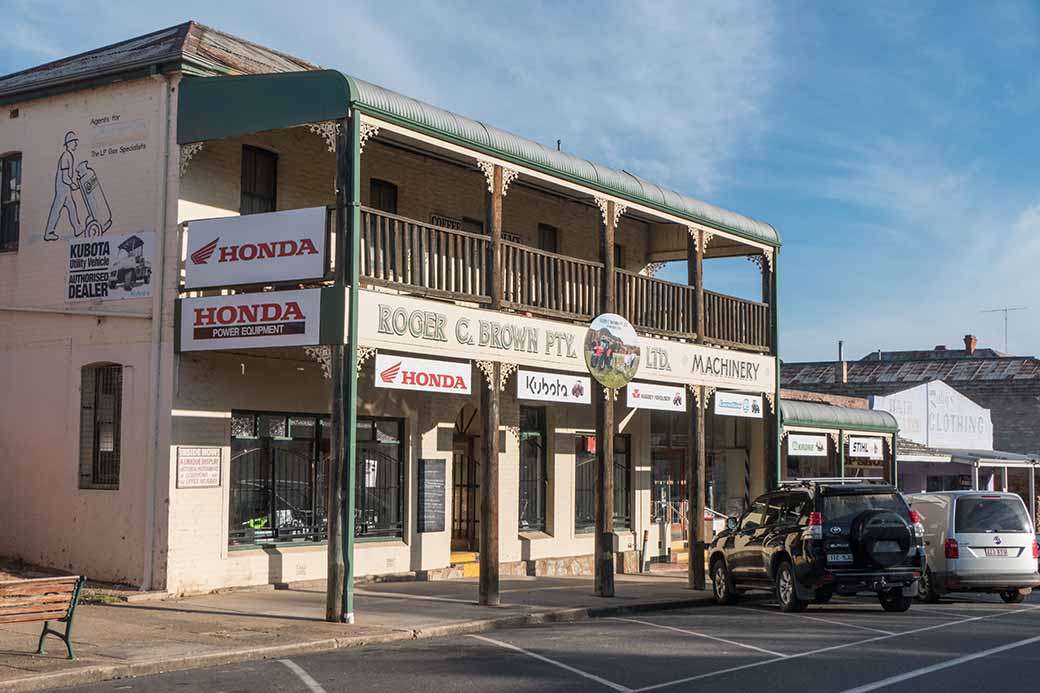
point(69, 177)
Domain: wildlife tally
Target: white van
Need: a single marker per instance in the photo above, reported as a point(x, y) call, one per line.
point(977, 541)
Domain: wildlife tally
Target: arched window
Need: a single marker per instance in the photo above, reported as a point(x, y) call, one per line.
point(101, 398)
point(10, 200)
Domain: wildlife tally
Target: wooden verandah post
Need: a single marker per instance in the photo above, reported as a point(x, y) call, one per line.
point(695, 408)
point(490, 414)
point(603, 400)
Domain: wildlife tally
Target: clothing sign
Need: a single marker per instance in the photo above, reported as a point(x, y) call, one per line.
point(870, 448)
point(426, 375)
point(936, 415)
point(256, 249)
point(738, 404)
point(653, 396)
point(110, 267)
point(553, 387)
point(243, 321)
point(806, 446)
point(198, 467)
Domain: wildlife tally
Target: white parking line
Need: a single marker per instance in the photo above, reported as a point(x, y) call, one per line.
point(832, 648)
point(816, 618)
point(891, 680)
point(700, 635)
point(540, 658)
point(940, 611)
point(310, 683)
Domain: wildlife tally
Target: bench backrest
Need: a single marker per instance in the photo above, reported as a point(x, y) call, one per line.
point(40, 599)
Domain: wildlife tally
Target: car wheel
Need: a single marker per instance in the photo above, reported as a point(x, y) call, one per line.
point(786, 593)
point(926, 588)
point(129, 280)
point(1012, 596)
point(722, 584)
point(893, 600)
point(823, 595)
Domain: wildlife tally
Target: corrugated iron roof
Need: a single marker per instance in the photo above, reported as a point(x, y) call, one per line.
point(815, 415)
point(886, 373)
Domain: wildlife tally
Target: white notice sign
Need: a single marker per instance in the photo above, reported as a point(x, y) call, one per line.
point(738, 404)
point(801, 445)
point(426, 375)
point(256, 249)
point(198, 467)
point(553, 387)
point(654, 396)
point(870, 448)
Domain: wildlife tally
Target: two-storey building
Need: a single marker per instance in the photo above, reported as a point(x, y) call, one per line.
point(146, 442)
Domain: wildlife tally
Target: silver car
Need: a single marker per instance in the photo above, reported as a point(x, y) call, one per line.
point(977, 541)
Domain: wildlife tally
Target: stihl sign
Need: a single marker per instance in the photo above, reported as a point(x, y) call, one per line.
point(407, 373)
point(256, 249)
point(266, 319)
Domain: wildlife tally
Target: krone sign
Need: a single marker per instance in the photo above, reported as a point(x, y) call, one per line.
point(256, 249)
point(806, 446)
point(426, 375)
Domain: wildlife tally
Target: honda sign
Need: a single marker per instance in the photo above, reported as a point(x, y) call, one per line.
point(256, 249)
point(426, 375)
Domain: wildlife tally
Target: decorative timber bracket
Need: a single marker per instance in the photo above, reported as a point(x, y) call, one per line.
point(328, 130)
point(368, 130)
point(603, 204)
point(187, 152)
point(651, 269)
point(763, 261)
point(771, 398)
point(708, 235)
point(488, 168)
point(505, 370)
point(323, 355)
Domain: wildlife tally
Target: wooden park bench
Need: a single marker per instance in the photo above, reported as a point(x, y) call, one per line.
point(42, 599)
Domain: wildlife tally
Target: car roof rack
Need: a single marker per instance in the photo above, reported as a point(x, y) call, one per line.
point(834, 481)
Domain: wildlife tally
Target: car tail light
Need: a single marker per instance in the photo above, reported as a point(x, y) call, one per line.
point(1036, 549)
point(816, 526)
point(952, 550)
point(915, 519)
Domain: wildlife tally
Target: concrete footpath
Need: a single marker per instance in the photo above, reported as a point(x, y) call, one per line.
point(122, 639)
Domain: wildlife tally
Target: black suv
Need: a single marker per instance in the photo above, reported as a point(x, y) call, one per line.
point(813, 539)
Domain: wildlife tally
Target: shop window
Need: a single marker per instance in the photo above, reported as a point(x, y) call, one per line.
point(10, 200)
point(585, 484)
point(548, 238)
point(382, 195)
point(619, 256)
point(533, 469)
point(101, 401)
point(279, 478)
point(259, 181)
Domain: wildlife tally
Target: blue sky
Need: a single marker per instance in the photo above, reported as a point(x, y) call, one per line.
point(892, 144)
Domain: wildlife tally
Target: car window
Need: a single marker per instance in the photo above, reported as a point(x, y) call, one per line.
point(775, 508)
point(996, 514)
point(843, 509)
point(795, 508)
point(755, 517)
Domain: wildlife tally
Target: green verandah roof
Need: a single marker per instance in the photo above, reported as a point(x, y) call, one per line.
point(214, 108)
point(816, 415)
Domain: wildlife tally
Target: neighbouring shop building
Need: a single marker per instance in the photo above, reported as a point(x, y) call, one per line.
point(171, 307)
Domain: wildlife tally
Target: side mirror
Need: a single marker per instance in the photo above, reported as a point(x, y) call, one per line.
point(731, 523)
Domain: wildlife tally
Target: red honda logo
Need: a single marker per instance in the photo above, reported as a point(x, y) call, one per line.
point(203, 254)
point(389, 375)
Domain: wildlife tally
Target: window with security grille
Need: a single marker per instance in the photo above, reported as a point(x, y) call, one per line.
point(534, 478)
point(101, 396)
point(10, 200)
point(259, 181)
point(585, 463)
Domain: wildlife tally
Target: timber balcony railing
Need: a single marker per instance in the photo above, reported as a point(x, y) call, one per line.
point(447, 263)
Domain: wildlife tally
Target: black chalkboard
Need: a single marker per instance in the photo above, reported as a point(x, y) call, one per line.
point(431, 495)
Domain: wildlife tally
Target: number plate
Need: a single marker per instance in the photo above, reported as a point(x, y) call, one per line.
point(839, 558)
point(996, 552)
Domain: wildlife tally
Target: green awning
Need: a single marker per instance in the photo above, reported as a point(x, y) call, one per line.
point(211, 108)
point(816, 415)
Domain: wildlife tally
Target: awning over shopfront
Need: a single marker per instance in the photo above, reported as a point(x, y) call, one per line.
point(824, 416)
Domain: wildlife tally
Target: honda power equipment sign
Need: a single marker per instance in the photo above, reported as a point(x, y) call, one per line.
point(738, 404)
point(653, 396)
point(256, 249)
point(110, 267)
point(553, 387)
point(427, 375)
point(266, 319)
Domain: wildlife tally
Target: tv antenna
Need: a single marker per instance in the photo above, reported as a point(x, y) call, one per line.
point(1005, 311)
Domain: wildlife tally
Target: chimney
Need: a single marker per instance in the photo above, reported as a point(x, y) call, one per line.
point(970, 342)
point(940, 347)
point(841, 368)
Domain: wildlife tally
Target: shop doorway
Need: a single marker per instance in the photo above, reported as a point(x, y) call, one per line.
point(465, 480)
point(668, 486)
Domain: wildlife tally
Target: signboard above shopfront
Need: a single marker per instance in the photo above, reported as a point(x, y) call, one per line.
point(426, 375)
point(802, 445)
point(866, 448)
point(553, 387)
point(654, 396)
point(256, 249)
point(738, 404)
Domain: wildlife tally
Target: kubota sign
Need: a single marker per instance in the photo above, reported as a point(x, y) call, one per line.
point(256, 249)
point(408, 373)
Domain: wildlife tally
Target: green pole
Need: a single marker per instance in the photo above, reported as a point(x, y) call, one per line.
point(841, 453)
point(353, 222)
point(778, 420)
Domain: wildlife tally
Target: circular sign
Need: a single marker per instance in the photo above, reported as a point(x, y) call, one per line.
point(612, 350)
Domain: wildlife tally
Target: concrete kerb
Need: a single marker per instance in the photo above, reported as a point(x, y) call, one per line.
point(108, 672)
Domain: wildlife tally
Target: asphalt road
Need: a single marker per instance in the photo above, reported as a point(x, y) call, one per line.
point(848, 646)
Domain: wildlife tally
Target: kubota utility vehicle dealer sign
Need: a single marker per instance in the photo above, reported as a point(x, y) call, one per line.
point(242, 321)
point(256, 249)
point(407, 373)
